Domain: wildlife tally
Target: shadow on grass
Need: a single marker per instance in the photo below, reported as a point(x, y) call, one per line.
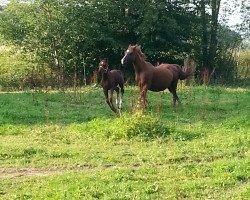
point(184, 135)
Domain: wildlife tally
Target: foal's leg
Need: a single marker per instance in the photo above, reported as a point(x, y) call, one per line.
point(117, 97)
point(111, 99)
point(107, 99)
point(122, 92)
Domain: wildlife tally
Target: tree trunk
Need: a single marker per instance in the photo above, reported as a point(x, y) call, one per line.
point(213, 35)
point(75, 77)
point(60, 70)
point(209, 49)
point(61, 77)
point(204, 41)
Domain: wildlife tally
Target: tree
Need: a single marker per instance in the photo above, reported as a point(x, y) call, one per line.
point(61, 34)
point(209, 37)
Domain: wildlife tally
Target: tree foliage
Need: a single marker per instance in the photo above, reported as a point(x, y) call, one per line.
point(60, 34)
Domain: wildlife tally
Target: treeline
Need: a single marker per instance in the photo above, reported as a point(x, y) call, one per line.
point(52, 42)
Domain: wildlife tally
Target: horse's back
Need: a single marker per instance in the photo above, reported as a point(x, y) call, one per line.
point(178, 72)
point(118, 76)
point(161, 79)
point(173, 69)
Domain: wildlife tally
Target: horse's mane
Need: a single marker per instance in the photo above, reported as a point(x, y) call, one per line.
point(142, 55)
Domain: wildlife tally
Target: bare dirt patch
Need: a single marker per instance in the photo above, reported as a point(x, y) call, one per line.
point(8, 173)
point(29, 172)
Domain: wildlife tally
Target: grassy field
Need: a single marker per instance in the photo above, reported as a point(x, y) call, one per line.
point(70, 145)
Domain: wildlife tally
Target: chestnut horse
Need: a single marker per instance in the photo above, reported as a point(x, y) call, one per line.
point(149, 77)
point(111, 80)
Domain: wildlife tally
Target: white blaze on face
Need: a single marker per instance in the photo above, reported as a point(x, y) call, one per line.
point(101, 65)
point(122, 60)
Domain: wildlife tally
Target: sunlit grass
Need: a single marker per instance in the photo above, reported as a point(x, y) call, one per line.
point(199, 150)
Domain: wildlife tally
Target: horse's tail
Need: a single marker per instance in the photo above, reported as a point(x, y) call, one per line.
point(185, 72)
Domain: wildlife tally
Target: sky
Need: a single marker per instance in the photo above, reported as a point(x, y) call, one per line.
point(234, 18)
point(3, 2)
point(234, 6)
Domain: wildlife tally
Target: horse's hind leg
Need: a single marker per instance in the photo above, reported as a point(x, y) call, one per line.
point(117, 97)
point(175, 97)
point(122, 92)
point(172, 89)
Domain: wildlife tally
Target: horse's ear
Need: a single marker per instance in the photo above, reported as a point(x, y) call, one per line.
point(138, 47)
point(134, 46)
point(106, 59)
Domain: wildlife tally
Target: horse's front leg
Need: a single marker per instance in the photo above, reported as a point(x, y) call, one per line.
point(144, 91)
point(111, 99)
point(108, 100)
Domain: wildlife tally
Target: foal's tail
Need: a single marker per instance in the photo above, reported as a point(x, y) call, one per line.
point(185, 72)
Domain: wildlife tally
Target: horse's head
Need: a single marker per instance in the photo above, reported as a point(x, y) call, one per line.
point(103, 66)
point(129, 56)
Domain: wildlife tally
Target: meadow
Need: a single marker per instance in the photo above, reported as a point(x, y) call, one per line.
point(69, 145)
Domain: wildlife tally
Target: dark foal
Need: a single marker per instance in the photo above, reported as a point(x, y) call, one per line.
point(111, 80)
point(154, 78)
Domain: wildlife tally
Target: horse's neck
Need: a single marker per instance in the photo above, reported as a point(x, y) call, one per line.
point(105, 76)
point(139, 65)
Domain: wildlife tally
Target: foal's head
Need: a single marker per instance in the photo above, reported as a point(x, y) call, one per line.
point(103, 66)
point(130, 54)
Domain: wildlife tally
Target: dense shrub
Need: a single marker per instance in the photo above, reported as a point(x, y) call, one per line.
point(137, 125)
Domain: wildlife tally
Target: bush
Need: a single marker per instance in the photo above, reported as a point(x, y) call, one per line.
point(137, 125)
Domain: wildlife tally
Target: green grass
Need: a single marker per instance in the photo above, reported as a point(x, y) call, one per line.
point(71, 146)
